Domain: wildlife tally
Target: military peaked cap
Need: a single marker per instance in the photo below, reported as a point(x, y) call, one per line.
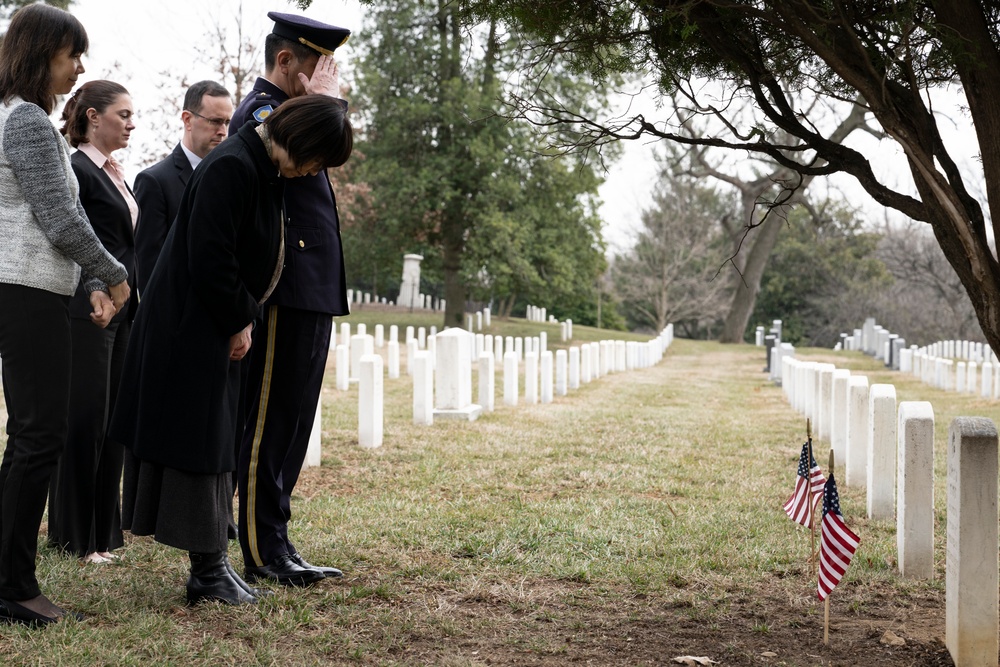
point(319, 37)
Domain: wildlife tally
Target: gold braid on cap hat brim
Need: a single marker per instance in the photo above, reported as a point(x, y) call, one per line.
point(317, 47)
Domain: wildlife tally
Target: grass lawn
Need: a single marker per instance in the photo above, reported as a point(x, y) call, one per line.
point(634, 520)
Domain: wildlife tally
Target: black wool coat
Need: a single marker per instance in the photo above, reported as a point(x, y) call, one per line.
point(177, 405)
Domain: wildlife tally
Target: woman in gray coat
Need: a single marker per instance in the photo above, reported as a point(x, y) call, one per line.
point(46, 241)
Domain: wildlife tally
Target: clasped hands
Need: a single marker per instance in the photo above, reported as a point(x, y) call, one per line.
point(104, 305)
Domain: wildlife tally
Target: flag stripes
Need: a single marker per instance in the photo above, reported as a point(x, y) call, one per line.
point(837, 542)
point(809, 484)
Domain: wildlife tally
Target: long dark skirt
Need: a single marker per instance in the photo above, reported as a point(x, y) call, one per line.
point(189, 511)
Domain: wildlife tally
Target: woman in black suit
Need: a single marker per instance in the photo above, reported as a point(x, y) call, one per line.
point(84, 505)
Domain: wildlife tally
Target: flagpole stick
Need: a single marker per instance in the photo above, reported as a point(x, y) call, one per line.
point(826, 620)
point(812, 517)
point(812, 509)
point(826, 602)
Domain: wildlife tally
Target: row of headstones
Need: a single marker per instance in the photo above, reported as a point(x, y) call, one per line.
point(352, 347)
point(890, 451)
point(952, 365)
point(425, 301)
point(553, 374)
point(962, 350)
point(761, 336)
point(355, 360)
point(950, 375)
point(482, 318)
point(890, 348)
point(774, 349)
point(874, 340)
point(539, 315)
point(535, 314)
point(442, 374)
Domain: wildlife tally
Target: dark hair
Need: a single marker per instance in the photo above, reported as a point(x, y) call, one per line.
point(313, 129)
point(97, 95)
point(37, 33)
point(275, 43)
point(193, 96)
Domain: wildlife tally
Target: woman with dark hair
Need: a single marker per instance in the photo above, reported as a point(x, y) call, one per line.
point(84, 509)
point(46, 241)
point(177, 408)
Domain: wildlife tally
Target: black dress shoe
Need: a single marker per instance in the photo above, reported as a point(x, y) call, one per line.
point(330, 572)
point(12, 612)
point(210, 580)
point(285, 571)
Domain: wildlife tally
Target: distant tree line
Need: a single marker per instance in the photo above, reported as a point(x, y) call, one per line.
point(830, 268)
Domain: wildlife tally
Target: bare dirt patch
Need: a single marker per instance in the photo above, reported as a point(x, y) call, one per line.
point(561, 622)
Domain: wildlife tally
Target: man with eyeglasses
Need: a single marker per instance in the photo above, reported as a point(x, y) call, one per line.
point(208, 108)
point(284, 369)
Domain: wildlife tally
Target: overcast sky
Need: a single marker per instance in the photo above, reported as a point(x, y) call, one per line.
point(133, 42)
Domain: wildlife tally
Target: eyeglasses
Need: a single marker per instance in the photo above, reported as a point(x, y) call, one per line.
point(214, 122)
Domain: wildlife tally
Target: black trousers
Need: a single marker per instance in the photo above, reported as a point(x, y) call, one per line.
point(84, 498)
point(283, 383)
point(36, 354)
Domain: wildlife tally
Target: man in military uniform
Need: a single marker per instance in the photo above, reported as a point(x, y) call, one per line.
point(284, 370)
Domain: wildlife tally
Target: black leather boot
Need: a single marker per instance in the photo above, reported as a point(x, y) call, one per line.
point(210, 580)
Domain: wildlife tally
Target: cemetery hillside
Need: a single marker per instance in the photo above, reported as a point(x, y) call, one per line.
point(630, 520)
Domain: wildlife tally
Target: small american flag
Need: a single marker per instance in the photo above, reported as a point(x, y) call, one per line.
point(837, 543)
point(808, 489)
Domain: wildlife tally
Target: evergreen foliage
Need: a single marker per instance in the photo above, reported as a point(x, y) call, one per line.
point(824, 277)
point(497, 219)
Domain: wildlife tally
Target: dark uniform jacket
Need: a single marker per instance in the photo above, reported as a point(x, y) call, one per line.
point(314, 277)
point(179, 390)
point(158, 191)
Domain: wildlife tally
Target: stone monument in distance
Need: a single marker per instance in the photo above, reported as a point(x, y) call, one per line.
point(410, 287)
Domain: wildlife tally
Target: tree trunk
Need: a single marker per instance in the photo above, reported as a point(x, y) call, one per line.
point(453, 227)
point(508, 306)
point(753, 264)
point(745, 294)
point(454, 290)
